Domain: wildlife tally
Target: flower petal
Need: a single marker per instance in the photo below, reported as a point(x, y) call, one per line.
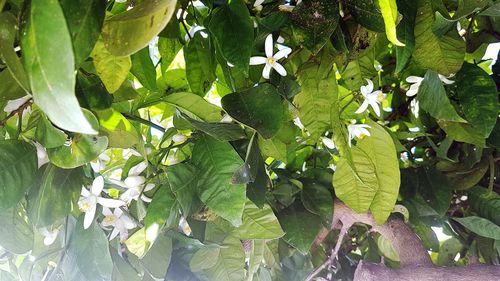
point(279, 68)
point(266, 71)
point(257, 60)
point(445, 80)
point(149, 187)
point(375, 107)
point(413, 90)
point(146, 199)
point(85, 192)
point(97, 185)
point(269, 45)
point(134, 181)
point(282, 53)
point(258, 3)
point(89, 217)
point(414, 79)
point(111, 203)
point(106, 211)
point(114, 233)
point(137, 169)
point(362, 108)
point(369, 87)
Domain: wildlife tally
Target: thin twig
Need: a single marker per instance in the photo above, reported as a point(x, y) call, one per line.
point(144, 121)
point(17, 111)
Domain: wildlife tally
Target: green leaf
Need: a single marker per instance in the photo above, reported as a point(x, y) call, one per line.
point(318, 200)
point(82, 150)
point(144, 69)
point(373, 182)
point(161, 208)
point(448, 251)
point(123, 270)
point(17, 171)
point(445, 54)
point(117, 128)
point(48, 135)
point(478, 97)
point(233, 31)
point(204, 258)
point(182, 180)
point(111, 69)
point(8, 30)
point(230, 263)
point(258, 223)
point(216, 162)
point(87, 255)
point(16, 236)
point(385, 248)
point(389, 11)
point(84, 19)
point(157, 259)
point(480, 226)
point(9, 88)
point(252, 108)
point(433, 99)
point(132, 30)
point(220, 131)
point(485, 203)
point(405, 31)
point(315, 98)
point(54, 195)
point(463, 133)
point(314, 22)
point(300, 227)
point(195, 105)
point(168, 49)
point(200, 64)
point(367, 13)
point(49, 62)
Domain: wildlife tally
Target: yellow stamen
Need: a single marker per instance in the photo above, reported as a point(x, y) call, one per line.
point(271, 60)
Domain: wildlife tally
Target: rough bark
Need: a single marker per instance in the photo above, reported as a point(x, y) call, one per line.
point(415, 262)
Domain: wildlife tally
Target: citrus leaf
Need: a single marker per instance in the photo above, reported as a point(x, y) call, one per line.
point(389, 11)
point(132, 30)
point(117, 128)
point(50, 65)
point(16, 235)
point(82, 150)
point(54, 195)
point(200, 64)
point(17, 171)
point(374, 184)
point(216, 162)
point(258, 224)
point(112, 70)
point(195, 105)
point(480, 226)
point(230, 263)
point(144, 69)
point(300, 227)
point(252, 108)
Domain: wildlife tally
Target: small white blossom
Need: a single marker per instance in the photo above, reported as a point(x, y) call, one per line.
point(178, 138)
point(328, 143)
point(15, 104)
point(89, 200)
point(49, 236)
point(192, 31)
point(357, 131)
point(271, 60)
point(415, 82)
point(41, 154)
point(372, 98)
point(258, 5)
point(99, 163)
point(120, 222)
point(135, 185)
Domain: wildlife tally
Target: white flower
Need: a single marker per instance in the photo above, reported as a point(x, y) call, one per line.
point(41, 154)
point(415, 82)
point(99, 163)
point(178, 138)
point(120, 222)
point(89, 200)
point(328, 143)
point(49, 236)
point(271, 61)
point(192, 31)
point(15, 104)
point(371, 98)
point(258, 5)
point(357, 131)
point(135, 185)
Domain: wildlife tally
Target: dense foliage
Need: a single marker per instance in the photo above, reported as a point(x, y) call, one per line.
point(207, 140)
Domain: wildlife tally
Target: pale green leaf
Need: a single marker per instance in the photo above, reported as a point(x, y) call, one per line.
point(16, 236)
point(132, 30)
point(230, 263)
point(195, 105)
point(258, 223)
point(112, 70)
point(50, 65)
point(389, 11)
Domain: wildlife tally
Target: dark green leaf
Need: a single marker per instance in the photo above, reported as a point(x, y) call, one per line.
point(182, 180)
point(217, 161)
point(82, 150)
point(195, 105)
point(220, 131)
point(160, 209)
point(17, 171)
point(463, 133)
point(318, 200)
point(16, 236)
point(258, 224)
point(486, 204)
point(48, 135)
point(84, 19)
point(478, 97)
point(200, 64)
point(252, 108)
point(433, 99)
point(480, 226)
point(49, 62)
point(300, 227)
point(143, 69)
point(408, 9)
point(54, 195)
point(233, 31)
point(367, 13)
point(132, 30)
